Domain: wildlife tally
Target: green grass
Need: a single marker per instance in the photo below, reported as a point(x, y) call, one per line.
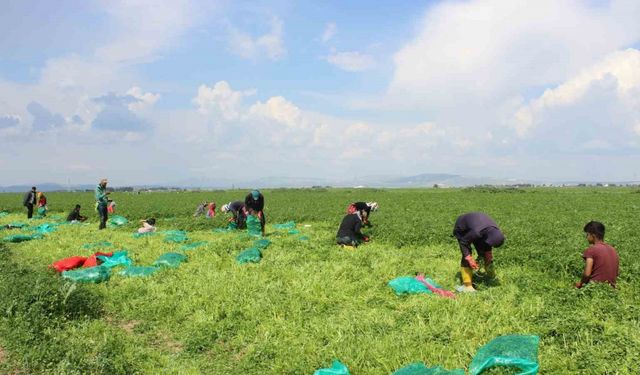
point(308, 302)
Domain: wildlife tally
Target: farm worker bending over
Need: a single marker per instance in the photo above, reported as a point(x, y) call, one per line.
point(254, 202)
point(238, 211)
point(74, 216)
point(148, 226)
point(479, 229)
point(102, 202)
point(200, 209)
point(42, 204)
point(364, 208)
point(601, 262)
point(349, 232)
point(211, 212)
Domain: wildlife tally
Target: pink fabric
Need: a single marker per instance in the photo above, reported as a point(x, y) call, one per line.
point(438, 291)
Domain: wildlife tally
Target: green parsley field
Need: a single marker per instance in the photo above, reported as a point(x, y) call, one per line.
point(309, 301)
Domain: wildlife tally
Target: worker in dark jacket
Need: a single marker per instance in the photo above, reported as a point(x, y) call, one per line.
point(254, 203)
point(29, 201)
point(239, 212)
point(479, 229)
point(75, 215)
point(349, 232)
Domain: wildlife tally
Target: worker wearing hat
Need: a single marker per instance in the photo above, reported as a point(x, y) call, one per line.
point(254, 203)
point(479, 229)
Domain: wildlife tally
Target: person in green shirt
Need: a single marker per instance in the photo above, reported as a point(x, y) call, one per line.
point(102, 202)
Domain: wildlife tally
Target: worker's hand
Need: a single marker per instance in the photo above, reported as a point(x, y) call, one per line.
point(365, 238)
point(579, 284)
point(472, 262)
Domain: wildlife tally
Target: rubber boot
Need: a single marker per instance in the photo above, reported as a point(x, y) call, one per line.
point(467, 279)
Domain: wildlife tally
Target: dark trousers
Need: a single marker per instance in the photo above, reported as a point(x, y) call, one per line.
point(29, 210)
point(484, 251)
point(346, 240)
point(104, 215)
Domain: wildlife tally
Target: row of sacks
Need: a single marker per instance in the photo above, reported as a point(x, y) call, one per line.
point(97, 267)
point(510, 351)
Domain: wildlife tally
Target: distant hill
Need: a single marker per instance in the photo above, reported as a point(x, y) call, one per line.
point(45, 187)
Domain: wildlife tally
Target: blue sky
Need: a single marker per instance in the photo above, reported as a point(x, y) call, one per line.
point(148, 92)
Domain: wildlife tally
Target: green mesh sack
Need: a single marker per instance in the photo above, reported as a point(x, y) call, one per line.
point(16, 238)
point(419, 368)
point(293, 231)
point(117, 220)
point(45, 228)
point(175, 236)
point(262, 243)
point(304, 238)
point(96, 274)
point(520, 351)
point(4, 213)
point(230, 227)
point(287, 225)
point(119, 258)
point(408, 285)
point(142, 235)
point(252, 255)
point(254, 228)
point(171, 260)
point(94, 245)
point(337, 368)
point(138, 271)
point(193, 245)
point(42, 211)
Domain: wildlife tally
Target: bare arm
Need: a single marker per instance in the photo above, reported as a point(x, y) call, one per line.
point(586, 276)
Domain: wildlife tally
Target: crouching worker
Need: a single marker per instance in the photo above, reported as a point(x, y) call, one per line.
point(238, 211)
point(479, 229)
point(254, 203)
point(365, 209)
point(601, 262)
point(74, 216)
point(349, 232)
point(148, 226)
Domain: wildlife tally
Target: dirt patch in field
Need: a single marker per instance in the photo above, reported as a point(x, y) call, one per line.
point(3, 355)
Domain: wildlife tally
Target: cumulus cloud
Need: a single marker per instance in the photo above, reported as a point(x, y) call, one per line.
point(117, 112)
point(329, 32)
point(221, 100)
point(145, 99)
point(7, 121)
point(44, 119)
point(498, 47)
point(617, 76)
point(351, 61)
point(280, 110)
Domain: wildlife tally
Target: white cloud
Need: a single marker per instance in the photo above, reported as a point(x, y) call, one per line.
point(495, 47)
point(269, 45)
point(330, 31)
point(145, 28)
point(145, 99)
point(621, 69)
point(280, 110)
point(221, 99)
point(352, 61)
